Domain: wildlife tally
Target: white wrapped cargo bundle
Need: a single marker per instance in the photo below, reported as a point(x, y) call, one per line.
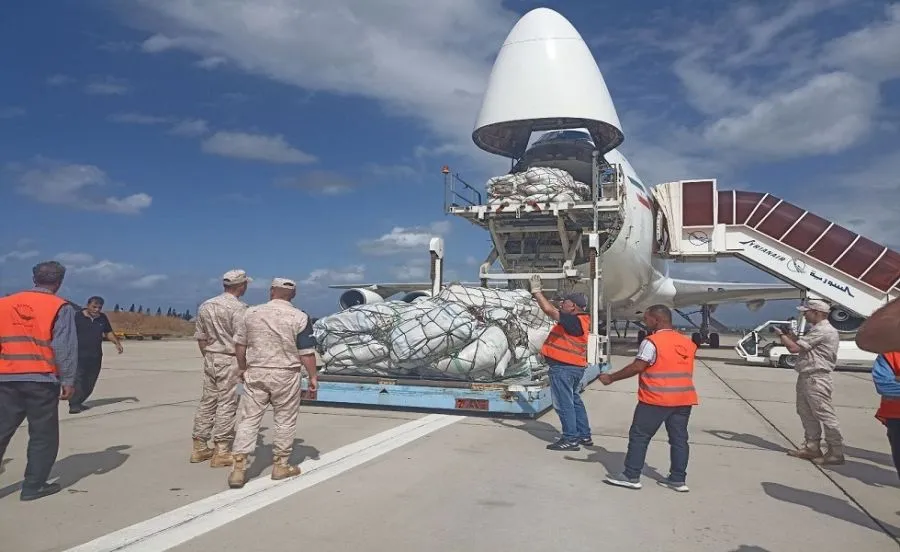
point(538, 184)
point(471, 334)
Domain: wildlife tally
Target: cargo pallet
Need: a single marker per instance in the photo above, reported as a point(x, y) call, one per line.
point(527, 400)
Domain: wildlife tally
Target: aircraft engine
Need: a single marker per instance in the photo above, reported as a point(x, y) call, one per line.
point(755, 305)
point(844, 321)
point(359, 296)
point(414, 296)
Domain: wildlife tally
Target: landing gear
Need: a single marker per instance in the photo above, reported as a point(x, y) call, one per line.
point(703, 335)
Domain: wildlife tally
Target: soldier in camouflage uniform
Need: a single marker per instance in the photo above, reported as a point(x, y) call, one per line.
point(274, 343)
point(216, 323)
point(817, 351)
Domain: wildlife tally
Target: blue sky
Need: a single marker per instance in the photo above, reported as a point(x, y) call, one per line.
point(154, 144)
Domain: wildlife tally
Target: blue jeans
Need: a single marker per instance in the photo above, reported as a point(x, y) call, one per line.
point(565, 381)
point(646, 422)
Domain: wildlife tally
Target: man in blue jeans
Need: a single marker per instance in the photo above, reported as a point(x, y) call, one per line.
point(566, 353)
point(666, 395)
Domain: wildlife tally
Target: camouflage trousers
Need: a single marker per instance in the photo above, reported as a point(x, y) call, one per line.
point(262, 387)
point(815, 409)
point(215, 415)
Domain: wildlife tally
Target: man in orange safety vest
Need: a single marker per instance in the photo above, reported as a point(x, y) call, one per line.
point(665, 369)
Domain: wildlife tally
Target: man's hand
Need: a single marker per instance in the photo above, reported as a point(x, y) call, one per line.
point(66, 392)
point(313, 382)
point(605, 379)
point(120, 348)
point(536, 284)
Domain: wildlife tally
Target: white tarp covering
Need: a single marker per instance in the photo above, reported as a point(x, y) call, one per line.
point(465, 333)
point(540, 184)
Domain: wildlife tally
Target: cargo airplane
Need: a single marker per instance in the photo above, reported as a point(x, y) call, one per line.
point(546, 80)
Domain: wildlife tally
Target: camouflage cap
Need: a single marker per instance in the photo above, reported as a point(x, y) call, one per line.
point(283, 283)
point(235, 277)
point(815, 305)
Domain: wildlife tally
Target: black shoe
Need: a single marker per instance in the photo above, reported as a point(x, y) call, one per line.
point(586, 441)
point(76, 409)
point(46, 489)
point(564, 445)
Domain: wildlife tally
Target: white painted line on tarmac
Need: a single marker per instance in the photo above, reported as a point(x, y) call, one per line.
point(183, 524)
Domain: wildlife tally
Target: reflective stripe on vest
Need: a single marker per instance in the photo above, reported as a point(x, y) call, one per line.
point(565, 348)
point(890, 406)
point(669, 381)
point(26, 332)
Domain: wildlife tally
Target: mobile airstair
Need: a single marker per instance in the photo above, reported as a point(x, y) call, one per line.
point(696, 221)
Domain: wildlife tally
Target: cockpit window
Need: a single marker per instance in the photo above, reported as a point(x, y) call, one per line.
point(564, 135)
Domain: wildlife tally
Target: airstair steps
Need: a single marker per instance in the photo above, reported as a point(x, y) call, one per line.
point(696, 221)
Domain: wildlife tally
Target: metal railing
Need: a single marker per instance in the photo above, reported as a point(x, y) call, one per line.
point(455, 188)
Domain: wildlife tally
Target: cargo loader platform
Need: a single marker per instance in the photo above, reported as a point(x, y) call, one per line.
point(528, 399)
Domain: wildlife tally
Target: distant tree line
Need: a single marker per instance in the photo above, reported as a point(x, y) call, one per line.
point(171, 313)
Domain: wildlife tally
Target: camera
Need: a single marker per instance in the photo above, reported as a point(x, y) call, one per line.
point(783, 327)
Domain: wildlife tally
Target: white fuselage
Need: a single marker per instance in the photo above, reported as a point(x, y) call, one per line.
point(632, 279)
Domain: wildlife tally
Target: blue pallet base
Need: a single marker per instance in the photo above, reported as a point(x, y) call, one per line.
point(517, 400)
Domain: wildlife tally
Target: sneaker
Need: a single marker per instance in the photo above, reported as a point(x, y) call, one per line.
point(562, 444)
point(46, 489)
point(674, 485)
point(586, 441)
point(620, 480)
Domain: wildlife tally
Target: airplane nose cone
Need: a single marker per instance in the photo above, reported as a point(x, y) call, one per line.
point(541, 24)
point(544, 78)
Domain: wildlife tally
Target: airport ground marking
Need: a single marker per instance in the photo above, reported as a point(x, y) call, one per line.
point(178, 526)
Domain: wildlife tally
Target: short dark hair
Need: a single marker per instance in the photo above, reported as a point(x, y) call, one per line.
point(95, 299)
point(48, 273)
point(661, 311)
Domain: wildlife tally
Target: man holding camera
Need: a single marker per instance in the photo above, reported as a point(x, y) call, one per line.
point(817, 351)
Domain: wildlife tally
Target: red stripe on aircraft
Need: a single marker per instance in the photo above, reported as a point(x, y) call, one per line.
point(644, 201)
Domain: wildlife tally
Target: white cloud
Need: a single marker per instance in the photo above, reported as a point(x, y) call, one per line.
point(78, 259)
point(138, 119)
point(149, 281)
point(84, 270)
point(12, 112)
point(327, 276)
point(404, 240)
point(426, 60)
point(417, 270)
point(59, 80)
point(75, 186)
point(211, 62)
point(870, 52)
point(319, 181)
point(18, 256)
point(108, 86)
point(190, 127)
point(791, 123)
point(256, 147)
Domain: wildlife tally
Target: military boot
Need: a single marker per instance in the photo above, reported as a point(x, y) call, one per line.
point(238, 475)
point(835, 456)
point(808, 451)
point(201, 451)
point(281, 469)
point(222, 456)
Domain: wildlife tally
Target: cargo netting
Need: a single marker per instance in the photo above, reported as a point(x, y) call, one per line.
point(537, 184)
point(463, 334)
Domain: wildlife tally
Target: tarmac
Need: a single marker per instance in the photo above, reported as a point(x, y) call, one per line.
point(387, 480)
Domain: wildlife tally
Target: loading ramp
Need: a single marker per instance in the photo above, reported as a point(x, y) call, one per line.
point(697, 222)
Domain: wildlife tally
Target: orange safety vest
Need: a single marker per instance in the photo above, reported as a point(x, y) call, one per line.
point(890, 406)
point(669, 381)
point(565, 348)
point(26, 332)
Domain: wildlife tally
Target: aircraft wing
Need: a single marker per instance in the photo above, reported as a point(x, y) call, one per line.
point(692, 292)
